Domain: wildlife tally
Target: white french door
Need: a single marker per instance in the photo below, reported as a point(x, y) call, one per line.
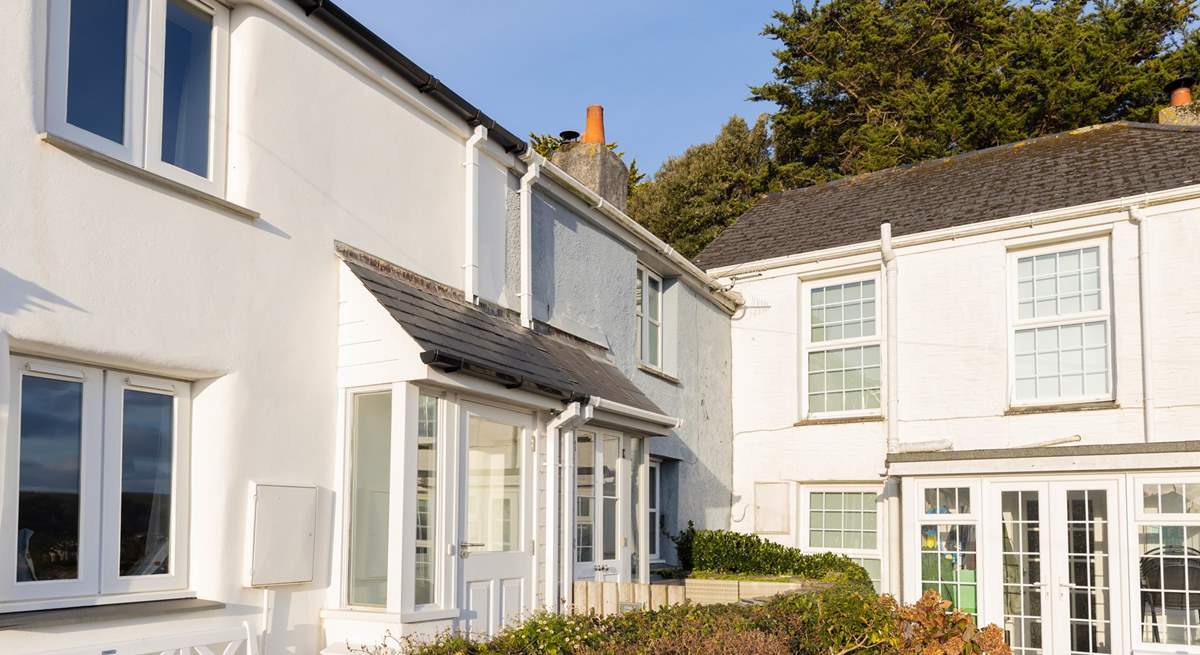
point(1051, 565)
point(601, 501)
point(495, 549)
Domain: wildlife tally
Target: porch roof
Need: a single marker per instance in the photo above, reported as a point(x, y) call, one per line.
point(457, 337)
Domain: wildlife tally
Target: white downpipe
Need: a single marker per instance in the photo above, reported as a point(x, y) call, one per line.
point(1137, 215)
point(575, 414)
point(471, 216)
point(531, 175)
point(893, 396)
point(895, 551)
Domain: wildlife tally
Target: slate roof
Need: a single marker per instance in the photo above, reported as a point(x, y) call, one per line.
point(458, 337)
point(1061, 170)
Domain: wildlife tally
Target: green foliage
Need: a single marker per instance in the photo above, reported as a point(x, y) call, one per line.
point(842, 620)
point(868, 84)
point(735, 552)
point(683, 546)
point(697, 194)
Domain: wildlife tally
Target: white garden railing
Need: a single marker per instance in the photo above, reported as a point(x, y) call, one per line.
point(227, 641)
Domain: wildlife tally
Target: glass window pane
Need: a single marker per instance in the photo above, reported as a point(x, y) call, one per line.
point(96, 67)
point(424, 578)
point(371, 440)
point(147, 441)
point(48, 505)
point(493, 485)
point(585, 495)
point(610, 451)
point(187, 87)
point(654, 298)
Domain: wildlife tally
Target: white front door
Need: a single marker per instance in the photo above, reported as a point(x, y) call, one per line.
point(1052, 558)
point(601, 499)
point(495, 550)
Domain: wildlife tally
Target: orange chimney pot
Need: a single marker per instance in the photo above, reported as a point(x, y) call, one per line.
point(594, 132)
point(1181, 96)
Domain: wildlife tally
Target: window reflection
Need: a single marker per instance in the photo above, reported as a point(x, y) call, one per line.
point(146, 456)
point(48, 487)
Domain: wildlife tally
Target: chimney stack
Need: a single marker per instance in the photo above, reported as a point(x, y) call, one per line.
point(1182, 110)
point(591, 162)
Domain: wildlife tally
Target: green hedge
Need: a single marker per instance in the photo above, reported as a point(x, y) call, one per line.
point(841, 619)
point(734, 552)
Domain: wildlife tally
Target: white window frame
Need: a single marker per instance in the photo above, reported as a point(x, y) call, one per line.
point(654, 510)
point(805, 525)
point(1105, 314)
point(99, 579)
point(807, 345)
point(644, 276)
point(142, 146)
point(1133, 564)
point(915, 494)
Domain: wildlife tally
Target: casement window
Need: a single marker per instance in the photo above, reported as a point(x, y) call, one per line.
point(653, 494)
point(948, 533)
point(1062, 321)
point(648, 311)
point(95, 494)
point(370, 486)
point(142, 81)
point(844, 520)
point(841, 361)
point(425, 544)
point(1167, 566)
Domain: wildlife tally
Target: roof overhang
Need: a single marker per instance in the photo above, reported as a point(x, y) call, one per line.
point(1161, 455)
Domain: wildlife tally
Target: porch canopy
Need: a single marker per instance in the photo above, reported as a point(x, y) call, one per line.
point(487, 341)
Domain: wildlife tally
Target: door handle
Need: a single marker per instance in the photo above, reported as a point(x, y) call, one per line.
point(464, 548)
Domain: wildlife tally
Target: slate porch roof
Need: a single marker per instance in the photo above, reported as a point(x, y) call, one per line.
point(461, 338)
point(1051, 172)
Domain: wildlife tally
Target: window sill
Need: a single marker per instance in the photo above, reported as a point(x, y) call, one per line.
point(839, 420)
point(66, 145)
point(650, 370)
point(1021, 410)
point(99, 613)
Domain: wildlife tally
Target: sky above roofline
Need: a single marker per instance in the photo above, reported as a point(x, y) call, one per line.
point(669, 72)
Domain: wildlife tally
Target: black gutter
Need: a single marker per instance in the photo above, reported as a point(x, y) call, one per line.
point(452, 363)
point(343, 23)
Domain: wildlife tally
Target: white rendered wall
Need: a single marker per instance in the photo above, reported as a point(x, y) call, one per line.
point(102, 267)
point(954, 360)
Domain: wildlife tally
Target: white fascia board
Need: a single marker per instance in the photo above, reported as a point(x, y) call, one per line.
point(1044, 465)
point(627, 414)
point(1030, 220)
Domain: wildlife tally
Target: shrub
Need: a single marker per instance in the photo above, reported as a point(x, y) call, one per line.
point(735, 552)
point(843, 620)
point(683, 546)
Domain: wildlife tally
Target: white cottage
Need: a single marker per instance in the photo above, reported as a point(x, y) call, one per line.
point(978, 375)
point(299, 347)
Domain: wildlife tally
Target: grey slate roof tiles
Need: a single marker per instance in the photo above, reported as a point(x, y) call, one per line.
point(1082, 166)
point(438, 319)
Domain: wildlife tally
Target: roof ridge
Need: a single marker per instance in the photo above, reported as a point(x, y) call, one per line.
point(984, 151)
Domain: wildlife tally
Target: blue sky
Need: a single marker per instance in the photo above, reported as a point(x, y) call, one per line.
point(668, 72)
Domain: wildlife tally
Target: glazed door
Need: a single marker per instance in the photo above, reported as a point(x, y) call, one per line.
point(600, 502)
point(1051, 562)
point(1085, 563)
point(495, 553)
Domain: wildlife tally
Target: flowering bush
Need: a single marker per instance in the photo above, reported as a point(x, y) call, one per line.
point(845, 620)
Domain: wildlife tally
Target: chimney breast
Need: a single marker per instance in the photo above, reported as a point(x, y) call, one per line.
point(592, 163)
point(1182, 110)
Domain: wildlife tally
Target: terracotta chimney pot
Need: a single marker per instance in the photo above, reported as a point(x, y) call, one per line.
point(594, 132)
point(1181, 110)
point(1181, 92)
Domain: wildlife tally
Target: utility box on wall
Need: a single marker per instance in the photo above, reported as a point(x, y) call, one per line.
point(281, 534)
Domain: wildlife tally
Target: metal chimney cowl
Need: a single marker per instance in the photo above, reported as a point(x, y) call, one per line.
point(592, 163)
